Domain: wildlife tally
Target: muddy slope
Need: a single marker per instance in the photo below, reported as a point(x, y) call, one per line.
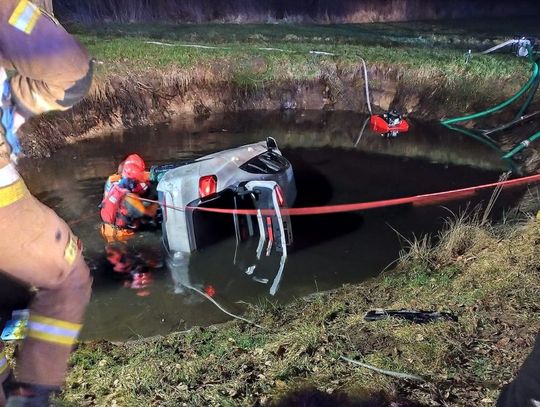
point(120, 102)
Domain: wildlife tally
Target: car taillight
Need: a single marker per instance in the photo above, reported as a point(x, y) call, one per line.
point(280, 197)
point(207, 185)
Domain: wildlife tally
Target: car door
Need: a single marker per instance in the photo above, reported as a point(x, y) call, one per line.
point(270, 223)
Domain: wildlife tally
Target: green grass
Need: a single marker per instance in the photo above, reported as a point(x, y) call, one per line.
point(447, 34)
point(427, 51)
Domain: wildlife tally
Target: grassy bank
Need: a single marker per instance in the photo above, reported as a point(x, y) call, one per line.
point(418, 68)
point(488, 276)
point(282, 52)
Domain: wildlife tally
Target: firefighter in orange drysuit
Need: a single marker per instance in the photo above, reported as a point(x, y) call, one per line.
point(121, 209)
point(123, 212)
point(51, 71)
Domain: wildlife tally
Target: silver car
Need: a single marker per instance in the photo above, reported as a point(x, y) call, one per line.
point(254, 176)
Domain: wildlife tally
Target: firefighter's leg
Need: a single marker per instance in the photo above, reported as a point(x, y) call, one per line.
point(56, 316)
point(53, 70)
point(38, 248)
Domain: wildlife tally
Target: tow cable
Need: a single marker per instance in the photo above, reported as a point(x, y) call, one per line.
point(415, 200)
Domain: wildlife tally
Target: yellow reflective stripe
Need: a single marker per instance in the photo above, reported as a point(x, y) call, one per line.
point(57, 339)
point(33, 21)
point(12, 193)
point(15, 17)
point(55, 322)
point(71, 251)
point(25, 16)
point(3, 363)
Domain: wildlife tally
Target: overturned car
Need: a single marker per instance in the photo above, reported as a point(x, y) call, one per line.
point(254, 176)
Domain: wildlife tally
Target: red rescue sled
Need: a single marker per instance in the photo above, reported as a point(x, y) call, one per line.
point(379, 124)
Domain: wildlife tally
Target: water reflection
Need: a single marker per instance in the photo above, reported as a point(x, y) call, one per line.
point(332, 165)
point(188, 137)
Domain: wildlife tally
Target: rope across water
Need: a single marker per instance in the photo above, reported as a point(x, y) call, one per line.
point(417, 200)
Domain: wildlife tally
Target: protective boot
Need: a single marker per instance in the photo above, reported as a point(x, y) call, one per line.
point(31, 395)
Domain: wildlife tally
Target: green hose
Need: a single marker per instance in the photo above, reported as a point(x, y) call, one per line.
point(499, 106)
point(483, 140)
point(532, 84)
point(530, 97)
point(521, 146)
point(488, 142)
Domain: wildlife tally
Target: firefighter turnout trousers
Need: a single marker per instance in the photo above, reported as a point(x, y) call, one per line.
point(37, 248)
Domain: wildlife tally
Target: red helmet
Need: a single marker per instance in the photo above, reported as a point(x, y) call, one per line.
point(133, 167)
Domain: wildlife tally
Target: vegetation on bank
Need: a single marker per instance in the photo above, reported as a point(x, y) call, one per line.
point(255, 55)
point(147, 73)
point(418, 68)
point(487, 275)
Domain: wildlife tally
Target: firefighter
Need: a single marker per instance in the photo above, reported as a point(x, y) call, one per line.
point(52, 71)
point(121, 209)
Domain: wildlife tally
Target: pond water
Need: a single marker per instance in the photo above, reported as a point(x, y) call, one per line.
point(333, 163)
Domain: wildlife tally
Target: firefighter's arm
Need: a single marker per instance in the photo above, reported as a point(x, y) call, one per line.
point(53, 71)
point(143, 208)
point(112, 202)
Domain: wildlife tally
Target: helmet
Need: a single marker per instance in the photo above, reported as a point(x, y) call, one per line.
point(133, 167)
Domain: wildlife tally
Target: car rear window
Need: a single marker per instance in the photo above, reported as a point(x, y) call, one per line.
point(268, 162)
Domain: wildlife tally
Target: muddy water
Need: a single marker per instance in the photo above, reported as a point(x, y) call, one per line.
point(333, 162)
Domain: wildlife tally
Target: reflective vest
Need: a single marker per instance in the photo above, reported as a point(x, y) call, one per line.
point(113, 195)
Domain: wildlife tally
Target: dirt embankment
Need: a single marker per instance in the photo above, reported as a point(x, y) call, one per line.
point(117, 102)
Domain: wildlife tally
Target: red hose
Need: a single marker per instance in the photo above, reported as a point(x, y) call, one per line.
point(416, 200)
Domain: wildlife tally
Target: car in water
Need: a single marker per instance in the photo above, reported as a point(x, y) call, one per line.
point(254, 177)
